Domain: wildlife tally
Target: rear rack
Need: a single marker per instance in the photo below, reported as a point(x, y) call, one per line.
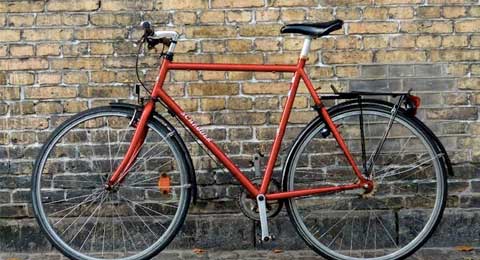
point(410, 102)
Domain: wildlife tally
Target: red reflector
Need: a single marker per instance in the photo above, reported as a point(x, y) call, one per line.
point(164, 184)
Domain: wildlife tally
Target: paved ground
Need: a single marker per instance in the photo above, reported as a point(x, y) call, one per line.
point(425, 254)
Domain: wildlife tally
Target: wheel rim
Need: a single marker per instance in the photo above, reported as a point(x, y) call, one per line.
point(138, 218)
point(329, 236)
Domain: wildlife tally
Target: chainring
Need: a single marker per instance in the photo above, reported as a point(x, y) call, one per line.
point(249, 207)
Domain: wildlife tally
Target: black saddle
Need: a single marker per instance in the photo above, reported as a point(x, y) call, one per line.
point(313, 29)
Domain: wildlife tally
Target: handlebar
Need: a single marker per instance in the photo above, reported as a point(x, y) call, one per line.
point(149, 36)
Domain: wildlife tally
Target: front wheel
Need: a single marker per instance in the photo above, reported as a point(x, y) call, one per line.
point(133, 220)
point(389, 222)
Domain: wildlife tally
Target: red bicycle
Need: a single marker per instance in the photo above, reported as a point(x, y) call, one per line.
point(364, 180)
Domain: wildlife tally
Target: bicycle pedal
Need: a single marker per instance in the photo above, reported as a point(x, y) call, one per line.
point(267, 239)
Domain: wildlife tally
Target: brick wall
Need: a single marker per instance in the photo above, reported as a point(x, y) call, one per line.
point(59, 57)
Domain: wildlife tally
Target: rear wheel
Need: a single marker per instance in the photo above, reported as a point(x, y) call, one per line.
point(134, 220)
point(389, 222)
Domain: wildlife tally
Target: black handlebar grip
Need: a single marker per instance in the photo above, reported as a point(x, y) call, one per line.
point(147, 26)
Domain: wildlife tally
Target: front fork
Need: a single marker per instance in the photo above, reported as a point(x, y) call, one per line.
point(141, 130)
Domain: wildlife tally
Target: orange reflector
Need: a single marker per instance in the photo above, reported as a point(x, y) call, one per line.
point(164, 184)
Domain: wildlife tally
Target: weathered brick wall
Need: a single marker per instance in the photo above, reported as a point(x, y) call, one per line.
point(59, 57)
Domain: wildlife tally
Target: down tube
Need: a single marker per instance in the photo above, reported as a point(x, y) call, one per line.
point(207, 142)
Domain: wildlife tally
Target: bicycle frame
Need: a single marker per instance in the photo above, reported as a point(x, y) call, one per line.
point(298, 72)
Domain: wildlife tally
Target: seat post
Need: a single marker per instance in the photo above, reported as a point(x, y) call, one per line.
point(306, 47)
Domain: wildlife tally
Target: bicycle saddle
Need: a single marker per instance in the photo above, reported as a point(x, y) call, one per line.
point(313, 29)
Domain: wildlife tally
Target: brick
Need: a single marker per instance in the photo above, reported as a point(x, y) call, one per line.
point(239, 16)
point(324, 13)
point(245, 118)
point(400, 56)
point(375, 13)
point(375, 42)
point(73, 5)
point(48, 34)
point(429, 11)
point(77, 63)
point(213, 75)
point(455, 55)
point(429, 41)
point(403, 41)
point(430, 70)
point(371, 28)
point(236, 4)
point(467, 26)
point(21, 50)
point(292, 15)
point(48, 49)
point(212, 89)
point(349, 42)
point(101, 48)
point(9, 93)
point(185, 17)
point(240, 103)
point(102, 92)
point(469, 83)
point(348, 57)
point(75, 77)
point(9, 35)
point(401, 12)
point(126, 5)
point(347, 71)
point(240, 58)
point(49, 78)
point(426, 27)
point(24, 64)
point(454, 41)
point(212, 104)
point(22, 6)
point(210, 31)
point(21, 78)
point(375, 71)
point(260, 30)
point(268, 15)
point(74, 106)
point(48, 108)
point(49, 19)
point(265, 88)
point(239, 45)
point(192, 4)
point(109, 19)
point(100, 34)
point(23, 20)
point(50, 92)
point(401, 71)
point(76, 19)
point(28, 123)
point(454, 113)
point(266, 45)
point(453, 12)
point(188, 105)
point(348, 13)
point(212, 17)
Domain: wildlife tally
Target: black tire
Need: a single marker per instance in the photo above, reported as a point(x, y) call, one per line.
point(342, 204)
point(138, 198)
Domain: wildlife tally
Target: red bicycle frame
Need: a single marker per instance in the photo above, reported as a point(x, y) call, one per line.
point(298, 73)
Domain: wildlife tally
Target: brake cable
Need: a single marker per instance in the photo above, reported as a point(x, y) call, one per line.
point(140, 46)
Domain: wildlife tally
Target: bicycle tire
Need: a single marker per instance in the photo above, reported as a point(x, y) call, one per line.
point(296, 159)
point(127, 202)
